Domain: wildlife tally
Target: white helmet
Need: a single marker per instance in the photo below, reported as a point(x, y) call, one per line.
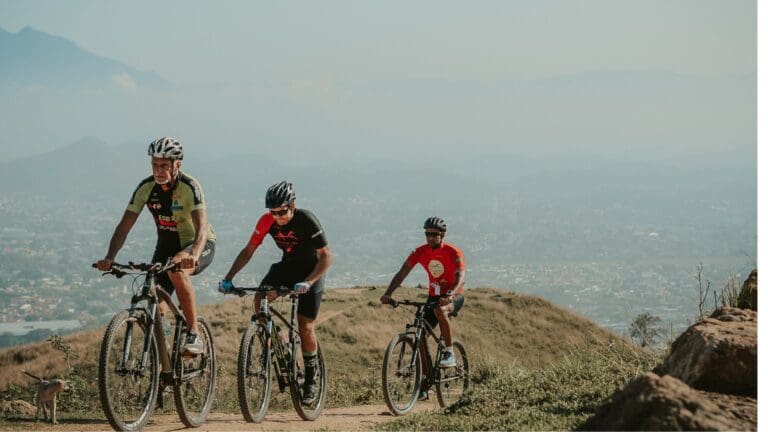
point(166, 148)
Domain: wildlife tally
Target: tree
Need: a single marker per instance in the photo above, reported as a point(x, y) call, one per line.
point(704, 287)
point(645, 328)
point(60, 344)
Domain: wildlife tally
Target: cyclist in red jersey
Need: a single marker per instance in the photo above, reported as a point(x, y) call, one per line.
point(306, 258)
point(446, 268)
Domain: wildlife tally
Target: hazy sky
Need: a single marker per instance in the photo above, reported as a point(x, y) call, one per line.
point(348, 79)
point(350, 40)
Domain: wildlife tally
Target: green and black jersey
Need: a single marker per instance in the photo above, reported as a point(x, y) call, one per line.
point(172, 211)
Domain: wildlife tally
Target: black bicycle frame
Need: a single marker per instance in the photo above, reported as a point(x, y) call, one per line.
point(421, 326)
point(284, 362)
point(153, 293)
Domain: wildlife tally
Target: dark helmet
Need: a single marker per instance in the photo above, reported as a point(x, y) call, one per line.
point(279, 194)
point(435, 223)
point(166, 148)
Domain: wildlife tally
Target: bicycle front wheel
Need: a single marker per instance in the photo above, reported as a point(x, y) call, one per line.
point(310, 411)
point(253, 369)
point(128, 389)
point(195, 379)
point(401, 374)
point(451, 383)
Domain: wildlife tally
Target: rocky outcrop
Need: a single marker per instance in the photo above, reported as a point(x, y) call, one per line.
point(651, 402)
point(748, 295)
point(717, 354)
point(708, 381)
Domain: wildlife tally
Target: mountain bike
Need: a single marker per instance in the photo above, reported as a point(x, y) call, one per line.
point(136, 361)
point(402, 376)
point(263, 346)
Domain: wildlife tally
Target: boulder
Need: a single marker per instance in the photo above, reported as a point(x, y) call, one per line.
point(17, 408)
point(650, 402)
point(717, 354)
point(748, 294)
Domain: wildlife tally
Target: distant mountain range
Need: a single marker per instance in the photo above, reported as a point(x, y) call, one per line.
point(34, 58)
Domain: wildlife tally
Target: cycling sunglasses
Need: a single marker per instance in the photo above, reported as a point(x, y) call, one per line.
point(278, 213)
point(432, 233)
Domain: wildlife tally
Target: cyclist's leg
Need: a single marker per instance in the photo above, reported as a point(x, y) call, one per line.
point(206, 256)
point(458, 302)
point(182, 281)
point(443, 313)
point(445, 325)
point(451, 309)
point(308, 308)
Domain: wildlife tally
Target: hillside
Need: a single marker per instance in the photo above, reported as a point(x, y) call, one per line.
point(499, 329)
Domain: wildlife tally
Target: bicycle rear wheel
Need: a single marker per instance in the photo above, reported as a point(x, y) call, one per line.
point(311, 411)
point(401, 374)
point(195, 379)
point(451, 383)
point(253, 373)
point(128, 391)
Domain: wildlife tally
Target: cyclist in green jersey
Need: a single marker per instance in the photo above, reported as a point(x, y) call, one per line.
point(176, 202)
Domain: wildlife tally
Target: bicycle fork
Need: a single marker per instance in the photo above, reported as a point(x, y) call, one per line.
point(411, 365)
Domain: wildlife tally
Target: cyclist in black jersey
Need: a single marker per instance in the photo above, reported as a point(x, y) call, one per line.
point(176, 202)
point(306, 258)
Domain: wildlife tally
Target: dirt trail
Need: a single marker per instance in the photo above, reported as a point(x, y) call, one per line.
point(354, 418)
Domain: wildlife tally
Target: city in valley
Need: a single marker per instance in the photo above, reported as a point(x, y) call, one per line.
point(599, 263)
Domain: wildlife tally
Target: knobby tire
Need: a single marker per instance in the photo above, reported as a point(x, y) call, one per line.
point(253, 373)
point(452, 383)
point(195, 379)
point(313, 411)
point(400, 382)
point(128, 394)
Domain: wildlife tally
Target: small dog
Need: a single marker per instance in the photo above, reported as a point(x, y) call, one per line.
point(46, 396)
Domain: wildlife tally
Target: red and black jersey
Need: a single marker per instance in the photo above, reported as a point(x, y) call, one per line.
point(299, 239)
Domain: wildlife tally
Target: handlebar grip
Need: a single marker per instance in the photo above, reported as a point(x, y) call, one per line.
point(94, 265)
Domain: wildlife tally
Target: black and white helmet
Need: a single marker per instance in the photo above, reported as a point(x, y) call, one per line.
point(435, 223)
point(280, 194)
point(166, 148)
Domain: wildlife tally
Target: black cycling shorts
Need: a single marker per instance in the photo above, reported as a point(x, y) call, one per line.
point(429, 314)
point(280, 274)
point(206, 258)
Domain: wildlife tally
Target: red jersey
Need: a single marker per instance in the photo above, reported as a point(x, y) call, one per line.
point(441, 264)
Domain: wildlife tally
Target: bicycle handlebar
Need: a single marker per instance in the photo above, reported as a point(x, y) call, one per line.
point(395, 303)
point(243, 291)
point(119, 270)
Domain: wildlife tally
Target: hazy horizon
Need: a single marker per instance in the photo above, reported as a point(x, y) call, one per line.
point(342, 81)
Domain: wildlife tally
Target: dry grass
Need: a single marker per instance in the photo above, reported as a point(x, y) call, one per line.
point(354, 330)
